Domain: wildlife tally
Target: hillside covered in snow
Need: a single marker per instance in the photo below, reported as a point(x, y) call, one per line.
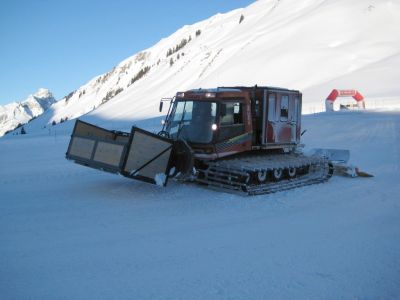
point(313, 46)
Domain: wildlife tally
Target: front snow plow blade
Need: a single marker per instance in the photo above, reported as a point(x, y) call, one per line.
point(97, 148)
point(139, 154)
point(148, 157)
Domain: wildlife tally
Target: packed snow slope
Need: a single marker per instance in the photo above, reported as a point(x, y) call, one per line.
point(69, 232)
point(18, 113)
point(313, 46)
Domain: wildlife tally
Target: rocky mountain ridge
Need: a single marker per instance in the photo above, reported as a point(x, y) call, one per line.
point(15, 114)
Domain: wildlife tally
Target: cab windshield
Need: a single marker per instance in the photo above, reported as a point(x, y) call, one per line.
point(192, 120)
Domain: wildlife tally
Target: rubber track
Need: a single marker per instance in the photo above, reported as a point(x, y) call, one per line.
point(231, 174)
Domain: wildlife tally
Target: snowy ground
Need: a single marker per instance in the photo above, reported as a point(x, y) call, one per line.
point(67, 232)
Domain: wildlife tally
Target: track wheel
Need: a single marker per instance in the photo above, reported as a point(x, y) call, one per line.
point(262, 176)
point(277, 174)
point(291, 172)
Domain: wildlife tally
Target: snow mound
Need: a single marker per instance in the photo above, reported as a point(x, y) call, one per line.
point(70, 232)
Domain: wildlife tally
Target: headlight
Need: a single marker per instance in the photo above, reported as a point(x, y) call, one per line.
point(210, 95)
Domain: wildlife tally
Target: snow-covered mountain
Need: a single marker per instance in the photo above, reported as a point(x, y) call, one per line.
point(313, 46)
point(18, 113)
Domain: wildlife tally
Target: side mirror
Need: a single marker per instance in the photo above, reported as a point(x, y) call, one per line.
point(161, 106)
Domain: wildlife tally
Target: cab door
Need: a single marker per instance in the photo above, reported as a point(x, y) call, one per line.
point(284, 126)
point(282, 118)
point(278, 123)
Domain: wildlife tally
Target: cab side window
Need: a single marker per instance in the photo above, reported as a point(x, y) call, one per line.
point(284, 107)
point(232, 113)
point(231, 120)
point(271, 107)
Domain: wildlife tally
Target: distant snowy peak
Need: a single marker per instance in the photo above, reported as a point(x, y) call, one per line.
point(39, 102)
point(44, 97)
point(18, 113)
point(43, 93)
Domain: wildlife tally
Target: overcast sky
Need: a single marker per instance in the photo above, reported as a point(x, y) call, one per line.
point(60, 45)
